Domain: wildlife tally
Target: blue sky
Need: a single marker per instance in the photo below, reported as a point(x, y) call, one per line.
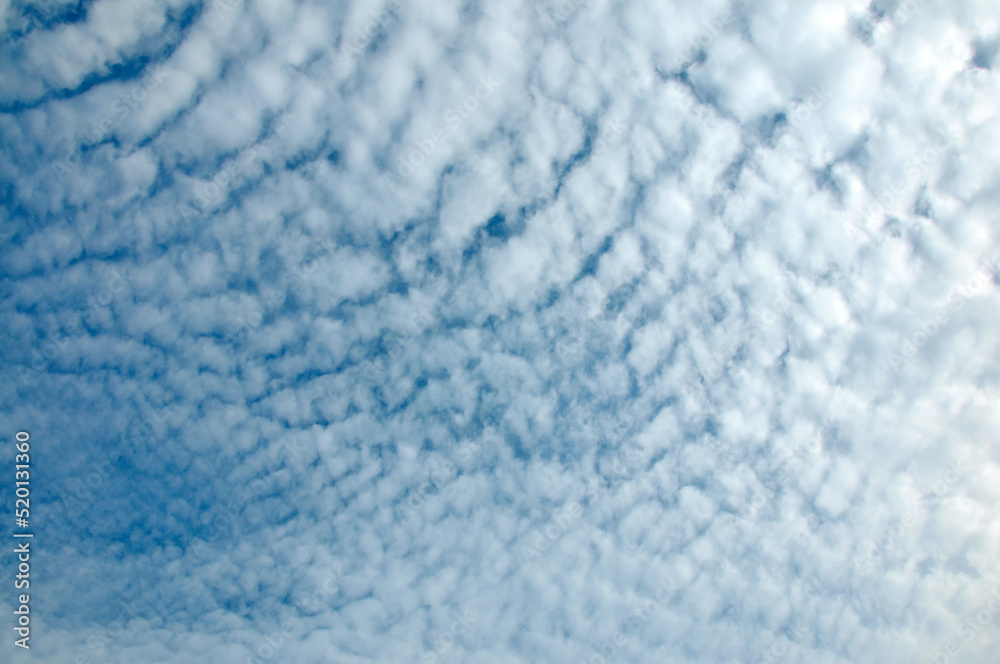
point(504, 332)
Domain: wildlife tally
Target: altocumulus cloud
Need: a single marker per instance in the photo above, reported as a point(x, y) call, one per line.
point(503, 332)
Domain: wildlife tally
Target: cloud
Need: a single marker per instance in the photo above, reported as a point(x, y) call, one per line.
point(578, 331)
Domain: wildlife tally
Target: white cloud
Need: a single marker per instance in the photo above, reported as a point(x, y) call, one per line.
point(625, 351)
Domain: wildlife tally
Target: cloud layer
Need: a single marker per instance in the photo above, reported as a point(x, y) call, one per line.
point(503, 332)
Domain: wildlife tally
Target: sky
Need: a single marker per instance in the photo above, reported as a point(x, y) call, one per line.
point(502, 332)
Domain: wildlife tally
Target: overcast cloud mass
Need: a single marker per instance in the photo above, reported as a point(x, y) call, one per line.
point(495, 332)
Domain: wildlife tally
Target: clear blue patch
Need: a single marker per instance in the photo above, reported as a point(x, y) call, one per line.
point(591, 262)
point(496, 227)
